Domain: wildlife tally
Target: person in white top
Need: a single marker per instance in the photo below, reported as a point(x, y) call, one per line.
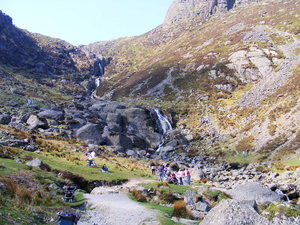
point(180, 176)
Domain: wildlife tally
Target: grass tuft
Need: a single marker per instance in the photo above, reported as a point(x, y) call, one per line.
point(180, 210)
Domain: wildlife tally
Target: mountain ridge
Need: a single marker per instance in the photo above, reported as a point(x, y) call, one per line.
point(212, 78)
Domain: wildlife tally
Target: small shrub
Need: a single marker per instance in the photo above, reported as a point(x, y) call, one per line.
point(215, 197)
point(138, 196)
point(168, 197)
point(23, 197)
point(11, 186)
point(245, 144)
point(160, 184)
point(174, 166)
point(180, 210)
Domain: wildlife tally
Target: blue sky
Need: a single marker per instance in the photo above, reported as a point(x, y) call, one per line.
point(86, 21)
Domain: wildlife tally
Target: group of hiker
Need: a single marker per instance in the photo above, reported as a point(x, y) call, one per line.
point(91, 154)
point(165, 173)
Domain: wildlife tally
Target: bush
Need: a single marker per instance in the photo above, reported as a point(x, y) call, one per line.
point(180, 210)
point(11, 186)
point(159, 184)
point(138, 196)
point(23, 197)
point(168, 197)
point(174, 167)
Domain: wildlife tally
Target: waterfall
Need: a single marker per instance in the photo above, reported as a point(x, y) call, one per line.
point(280, 193)
point(101, 69)
point(97, 82)
point(164, 124)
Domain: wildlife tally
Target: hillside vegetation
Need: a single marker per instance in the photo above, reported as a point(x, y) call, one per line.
point(232, 80)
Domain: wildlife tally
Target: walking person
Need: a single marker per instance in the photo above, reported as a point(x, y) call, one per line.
point(188, 176)
point(153, 168)
point(180, 176)
point(161, 174)
point(167, 170)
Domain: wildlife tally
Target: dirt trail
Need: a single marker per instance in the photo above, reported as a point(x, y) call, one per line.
point(107, 206)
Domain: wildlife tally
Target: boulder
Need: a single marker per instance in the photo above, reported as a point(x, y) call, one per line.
point(36, 122)
point(190, 197)
point(234, 212)
point(253, 191)
point(90, 133)
point(202, 206)
point(132, 153)
point(119, 140)
point(5, 119)
point(35, 163)
point(51, 114)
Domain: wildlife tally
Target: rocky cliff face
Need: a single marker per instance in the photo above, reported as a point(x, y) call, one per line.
point(226, 82)
point(38, 53)
point(231, 86)
point(186, 11)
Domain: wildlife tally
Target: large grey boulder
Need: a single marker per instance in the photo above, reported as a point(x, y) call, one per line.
point(51, 114)
point(36, 122)
point(119, 140)
point(90, 133)
point(233, 212)
point(139, 123)
point(35, 163)
point(253, 191)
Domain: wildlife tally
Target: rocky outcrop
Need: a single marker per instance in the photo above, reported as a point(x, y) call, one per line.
point(234, 212)
point(186, 11)
point(90, 133)
point(259, 193)
point(40, 54)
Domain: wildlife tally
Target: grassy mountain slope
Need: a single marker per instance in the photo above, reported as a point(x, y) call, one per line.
point(232, 81)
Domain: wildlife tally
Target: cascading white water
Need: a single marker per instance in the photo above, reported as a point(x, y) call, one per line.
point(280, 193)
point(97, 82)
point(101, 69)
point(164, 122)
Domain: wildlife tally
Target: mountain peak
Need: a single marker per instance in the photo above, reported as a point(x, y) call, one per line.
point(184, 11)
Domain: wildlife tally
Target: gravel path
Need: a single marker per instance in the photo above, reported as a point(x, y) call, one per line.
point(107, 208)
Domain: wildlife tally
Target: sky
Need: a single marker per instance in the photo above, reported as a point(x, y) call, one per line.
point(86, 21)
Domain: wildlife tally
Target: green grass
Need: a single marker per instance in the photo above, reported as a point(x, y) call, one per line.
point(293, 162)
point(79, 199)
point(171, 188)
point(166, 212)
point(279, 209)
point(238, 158)
point(61, 163)
point(8, 166)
